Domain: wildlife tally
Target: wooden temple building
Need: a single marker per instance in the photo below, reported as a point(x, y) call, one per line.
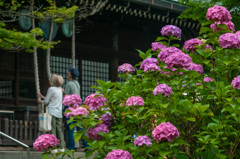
point(103, 42)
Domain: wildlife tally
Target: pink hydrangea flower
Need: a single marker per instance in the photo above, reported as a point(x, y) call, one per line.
point(238, 32)
point(195, 67)
point(135, 101)
point(73, 100)
point(157, 46)
point(151, 67)
point(140, 140)
point(162, 89)
point(236, 82)
point(148, 61)
point(179, 60)
point(165, 132)
point(171, 30)
point(45, 141)
point(107, 119)
point(207, 79)
point(95, 103)
point(76, 111)
point(126, 67)
point(189, 45)
point(92, 133)
point(218, 13)
point(198, 84)
point(229, 24)
point(229, 40)
point(164, 53)
point(207, 47)
point(118, 154)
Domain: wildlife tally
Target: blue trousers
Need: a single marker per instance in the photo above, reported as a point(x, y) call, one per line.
point(70, 137)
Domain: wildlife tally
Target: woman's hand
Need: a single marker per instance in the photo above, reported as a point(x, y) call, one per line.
point(39, 100)
point(39, 95)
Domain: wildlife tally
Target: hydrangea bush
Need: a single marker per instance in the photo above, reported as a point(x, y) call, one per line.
point(188, 109)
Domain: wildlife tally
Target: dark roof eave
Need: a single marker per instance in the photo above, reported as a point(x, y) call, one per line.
point(174, 6)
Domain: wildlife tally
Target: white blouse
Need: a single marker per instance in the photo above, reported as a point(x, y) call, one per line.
point(54, 100)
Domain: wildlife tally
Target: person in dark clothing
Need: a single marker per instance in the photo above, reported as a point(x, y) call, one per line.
point(72, 87)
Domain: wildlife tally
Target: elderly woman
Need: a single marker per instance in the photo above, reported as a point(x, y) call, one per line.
point(54, 100)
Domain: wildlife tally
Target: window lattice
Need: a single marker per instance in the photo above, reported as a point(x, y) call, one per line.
point(60, 66)
point(6, 89)
point(91, 72)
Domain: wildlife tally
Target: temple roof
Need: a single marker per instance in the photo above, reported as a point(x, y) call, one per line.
point(166, 11)
point(163, 4)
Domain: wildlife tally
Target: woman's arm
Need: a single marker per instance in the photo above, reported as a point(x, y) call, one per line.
point(48, 96)
point(40, 96)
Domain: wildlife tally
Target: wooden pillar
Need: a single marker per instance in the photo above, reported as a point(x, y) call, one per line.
point(16, 82)
point(44, 82)
point(80, 73)
point(113, 73)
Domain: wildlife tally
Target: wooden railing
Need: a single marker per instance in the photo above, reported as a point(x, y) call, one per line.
point(25, 132)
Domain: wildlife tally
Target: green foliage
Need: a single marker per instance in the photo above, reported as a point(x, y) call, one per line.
point(13, 38)
point(59, 14)
point(206, 115)
point(198, 8)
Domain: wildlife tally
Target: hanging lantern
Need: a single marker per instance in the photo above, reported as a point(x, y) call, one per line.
point(67, 28)
point(25, 22)
point(46, 27)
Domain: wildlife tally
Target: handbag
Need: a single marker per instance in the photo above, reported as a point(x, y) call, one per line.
point(45, 120)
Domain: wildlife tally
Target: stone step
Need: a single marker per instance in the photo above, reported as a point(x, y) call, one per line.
point(33, 155)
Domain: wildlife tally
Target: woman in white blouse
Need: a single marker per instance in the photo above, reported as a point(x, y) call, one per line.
point(54, 101)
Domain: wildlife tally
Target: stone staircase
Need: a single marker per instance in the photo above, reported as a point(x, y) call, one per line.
point(33, 155)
